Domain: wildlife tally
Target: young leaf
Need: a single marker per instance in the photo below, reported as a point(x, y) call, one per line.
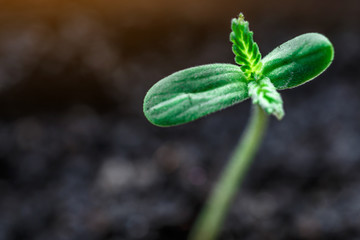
point(194, 92)
point(264, 93)
point(245, 49)
point(298, 60)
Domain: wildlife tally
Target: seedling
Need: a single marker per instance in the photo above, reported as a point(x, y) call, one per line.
point(192, 93)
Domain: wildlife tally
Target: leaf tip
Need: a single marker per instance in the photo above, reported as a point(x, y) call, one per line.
point(241, 17)
point(279, 114)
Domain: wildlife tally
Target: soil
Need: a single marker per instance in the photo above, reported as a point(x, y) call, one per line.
point(78, 160)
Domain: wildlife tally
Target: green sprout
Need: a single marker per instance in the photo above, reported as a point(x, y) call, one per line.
point(192, 93)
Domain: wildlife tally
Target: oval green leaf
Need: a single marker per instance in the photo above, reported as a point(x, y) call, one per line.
point(192, 93)
point(298, 60)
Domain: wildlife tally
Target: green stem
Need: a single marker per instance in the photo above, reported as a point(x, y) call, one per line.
point(212, 216)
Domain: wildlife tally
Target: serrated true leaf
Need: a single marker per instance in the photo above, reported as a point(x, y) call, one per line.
point(264, 93)
point(298, 60)
point(246, 51)
point(192, 93)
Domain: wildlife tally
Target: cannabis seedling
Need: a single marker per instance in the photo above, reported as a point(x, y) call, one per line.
point(192, 93)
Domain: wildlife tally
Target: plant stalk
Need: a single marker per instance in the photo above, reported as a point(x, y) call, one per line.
point(211, 218)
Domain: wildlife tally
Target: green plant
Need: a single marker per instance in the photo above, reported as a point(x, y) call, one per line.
point(192, 93)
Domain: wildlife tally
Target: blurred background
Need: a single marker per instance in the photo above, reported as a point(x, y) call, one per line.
point(78, 160)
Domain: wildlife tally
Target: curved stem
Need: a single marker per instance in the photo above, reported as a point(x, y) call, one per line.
point(212, 216)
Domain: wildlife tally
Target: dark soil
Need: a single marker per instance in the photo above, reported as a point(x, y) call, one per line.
point(78, 160)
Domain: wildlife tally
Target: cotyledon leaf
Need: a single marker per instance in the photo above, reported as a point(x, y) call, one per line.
point(298, 60)
point(192, 93)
